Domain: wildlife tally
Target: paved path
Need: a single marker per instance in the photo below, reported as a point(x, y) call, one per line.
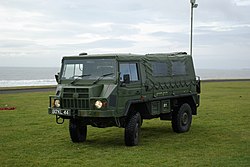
point(26, 90)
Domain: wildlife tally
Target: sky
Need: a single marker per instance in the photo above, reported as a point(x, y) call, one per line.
point(38, 33)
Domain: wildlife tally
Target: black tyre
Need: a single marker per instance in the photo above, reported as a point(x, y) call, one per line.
point(182, 119)
point(77, 130)
point(132, 130)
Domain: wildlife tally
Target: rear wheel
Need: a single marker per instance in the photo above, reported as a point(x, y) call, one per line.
point(132, 130)
point(182, 119)
point(77, 130)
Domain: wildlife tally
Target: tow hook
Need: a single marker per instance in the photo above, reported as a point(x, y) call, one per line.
point(58, 118)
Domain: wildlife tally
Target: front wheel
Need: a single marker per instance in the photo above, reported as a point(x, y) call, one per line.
point(132, 130)
point(77, 130)
point(182, 119)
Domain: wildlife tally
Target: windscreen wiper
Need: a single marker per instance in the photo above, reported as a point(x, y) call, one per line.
point(78, 78)
point(102, 76)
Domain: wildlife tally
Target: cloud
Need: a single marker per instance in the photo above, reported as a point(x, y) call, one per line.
point(215, 34)
point(104, 43)
point(242, 2)
point(225, 11)
point(45, 30)
point(16, 43)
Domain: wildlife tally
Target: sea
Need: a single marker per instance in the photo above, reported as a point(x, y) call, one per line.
point(27, 76)
point(42, 76)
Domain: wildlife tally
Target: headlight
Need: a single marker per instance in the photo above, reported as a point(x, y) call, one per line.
point(98, 104)
point(57, 103)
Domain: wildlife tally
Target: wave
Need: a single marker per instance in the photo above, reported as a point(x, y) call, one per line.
point(38, 82)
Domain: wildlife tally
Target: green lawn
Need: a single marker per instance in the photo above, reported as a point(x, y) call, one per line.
point(219, 136)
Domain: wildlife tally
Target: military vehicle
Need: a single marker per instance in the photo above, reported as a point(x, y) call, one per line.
point(122, 90)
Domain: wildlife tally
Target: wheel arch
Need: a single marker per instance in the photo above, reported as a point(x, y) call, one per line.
point(177, 102)
point(137, 106)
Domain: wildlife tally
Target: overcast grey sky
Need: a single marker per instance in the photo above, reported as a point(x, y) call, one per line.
point(40, 32)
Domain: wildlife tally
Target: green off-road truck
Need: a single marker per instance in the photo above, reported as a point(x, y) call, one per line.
point(122, 90)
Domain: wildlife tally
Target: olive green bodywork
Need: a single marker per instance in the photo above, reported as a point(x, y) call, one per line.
point(161, 83)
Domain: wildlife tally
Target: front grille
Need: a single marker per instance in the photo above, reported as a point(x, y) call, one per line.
point(75, 98)
point(75, 103)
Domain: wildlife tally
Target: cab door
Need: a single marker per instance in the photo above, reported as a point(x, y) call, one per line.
point(130, 86)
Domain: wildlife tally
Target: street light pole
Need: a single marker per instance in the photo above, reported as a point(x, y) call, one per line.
point(193, 5)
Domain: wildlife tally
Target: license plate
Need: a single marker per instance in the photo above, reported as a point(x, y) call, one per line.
point(61, 112)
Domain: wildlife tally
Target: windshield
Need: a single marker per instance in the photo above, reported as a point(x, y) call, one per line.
point(88, 69)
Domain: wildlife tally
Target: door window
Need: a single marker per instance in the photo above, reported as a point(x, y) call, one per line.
point(131, 69)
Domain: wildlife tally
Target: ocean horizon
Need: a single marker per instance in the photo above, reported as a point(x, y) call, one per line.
point(42, 76)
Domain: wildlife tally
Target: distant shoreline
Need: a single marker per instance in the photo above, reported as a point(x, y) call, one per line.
point(11, 77)
point(46, 88)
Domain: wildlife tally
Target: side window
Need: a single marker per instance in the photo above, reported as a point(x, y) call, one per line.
point(179, 68)
point(160, 69)
point(131, 69)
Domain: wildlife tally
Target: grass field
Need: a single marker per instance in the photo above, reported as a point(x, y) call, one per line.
point(219, 136)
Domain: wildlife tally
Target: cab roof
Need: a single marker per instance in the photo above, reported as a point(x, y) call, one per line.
point(130, 57)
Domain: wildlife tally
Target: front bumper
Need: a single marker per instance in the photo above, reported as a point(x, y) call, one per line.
point(81, 113)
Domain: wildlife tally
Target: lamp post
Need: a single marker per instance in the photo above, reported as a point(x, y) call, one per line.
point(193, 5)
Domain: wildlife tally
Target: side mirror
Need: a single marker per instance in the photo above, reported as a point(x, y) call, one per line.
point(126, 78)
point(57, 77)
